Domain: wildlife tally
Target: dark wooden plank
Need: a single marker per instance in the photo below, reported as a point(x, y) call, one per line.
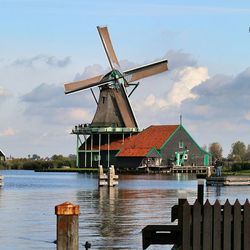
point(237, 225)
point(227, 218)
point(246, 225)
point(160, 234)
point(174, 213)
point(196, 242)
point(216, 226)
point(186, 219)
point(200, 192)
point(207, 226)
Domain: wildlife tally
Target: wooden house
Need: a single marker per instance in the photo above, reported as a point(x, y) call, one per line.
point(157, 145)
point(162, 145)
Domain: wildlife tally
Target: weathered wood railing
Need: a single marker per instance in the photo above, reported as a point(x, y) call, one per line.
point(204, 226)
point(215, 226)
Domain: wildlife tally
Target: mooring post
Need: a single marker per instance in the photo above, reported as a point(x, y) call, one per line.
point(200, 191)
point(111, 177)
point(67, 226)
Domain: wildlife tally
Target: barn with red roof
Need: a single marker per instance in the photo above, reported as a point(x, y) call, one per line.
point(157, 145)
point(162, 145)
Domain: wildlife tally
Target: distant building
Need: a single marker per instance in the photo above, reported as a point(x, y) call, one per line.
point(156, 145)
point(2, 156)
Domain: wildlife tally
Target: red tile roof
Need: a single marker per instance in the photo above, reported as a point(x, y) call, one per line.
point(140, 144)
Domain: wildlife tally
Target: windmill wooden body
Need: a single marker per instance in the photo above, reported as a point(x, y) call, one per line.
point(114, 118)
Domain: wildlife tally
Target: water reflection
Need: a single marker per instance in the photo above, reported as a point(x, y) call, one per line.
point(111, 218)
point(218, 191)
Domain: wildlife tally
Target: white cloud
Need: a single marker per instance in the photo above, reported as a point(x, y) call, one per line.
point(48, 103)
point(79, 114)
point(247, 116)
point(186, 80)
point(90, 71)
point(180, 59)
point(42, 60)
point(4, 92)
point(8, 132)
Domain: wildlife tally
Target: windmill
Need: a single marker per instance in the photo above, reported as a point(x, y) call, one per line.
point(113, 106)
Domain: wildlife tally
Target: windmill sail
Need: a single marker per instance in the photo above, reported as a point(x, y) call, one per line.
point(83, 84)
point(107, 44)
point(145, 71)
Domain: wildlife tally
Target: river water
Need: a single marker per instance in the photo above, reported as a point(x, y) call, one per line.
point(111, 218)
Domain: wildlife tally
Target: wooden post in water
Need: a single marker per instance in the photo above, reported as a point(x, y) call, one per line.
point(200, 192)
point(67, 226)
point(112, 177)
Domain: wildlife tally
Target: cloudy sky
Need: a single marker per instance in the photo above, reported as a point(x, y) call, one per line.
point(46, 43)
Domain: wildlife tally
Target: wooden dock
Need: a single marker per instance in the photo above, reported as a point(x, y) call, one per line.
point(228, 181)
point(191, 169)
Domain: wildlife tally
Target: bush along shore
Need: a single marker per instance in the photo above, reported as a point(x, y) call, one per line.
point(59, 163)
point(236, 168)
point(56, 163)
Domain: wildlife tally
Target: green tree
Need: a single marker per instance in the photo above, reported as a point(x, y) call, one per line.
point(238, 151)
point(216, 150)
point(57, 157)
point(247, 154)
point(35, 157)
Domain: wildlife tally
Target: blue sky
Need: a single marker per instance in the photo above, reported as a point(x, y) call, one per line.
point(47, 43)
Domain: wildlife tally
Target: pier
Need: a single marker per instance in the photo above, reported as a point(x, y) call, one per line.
point(229, 181)
point(192, 169)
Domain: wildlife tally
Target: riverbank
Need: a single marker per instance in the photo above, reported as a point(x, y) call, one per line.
point(95, 170)
point(69, 170)
point(237, 173)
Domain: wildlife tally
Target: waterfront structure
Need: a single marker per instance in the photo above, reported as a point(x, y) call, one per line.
point(163, 145)
point(114, 119)
point(94, 144)
point(2, 156)
point(157, 145)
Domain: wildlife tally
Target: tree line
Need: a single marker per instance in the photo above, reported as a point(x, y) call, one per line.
point(239, 151)
point(238, 159)
point(35, 162)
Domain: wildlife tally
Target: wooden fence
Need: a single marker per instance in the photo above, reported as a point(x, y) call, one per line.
point(215, 226)
point(203, 226)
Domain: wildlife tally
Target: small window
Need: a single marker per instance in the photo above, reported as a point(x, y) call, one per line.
point(181, 144)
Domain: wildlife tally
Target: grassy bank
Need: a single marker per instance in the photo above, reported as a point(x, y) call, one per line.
point(237, 173)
